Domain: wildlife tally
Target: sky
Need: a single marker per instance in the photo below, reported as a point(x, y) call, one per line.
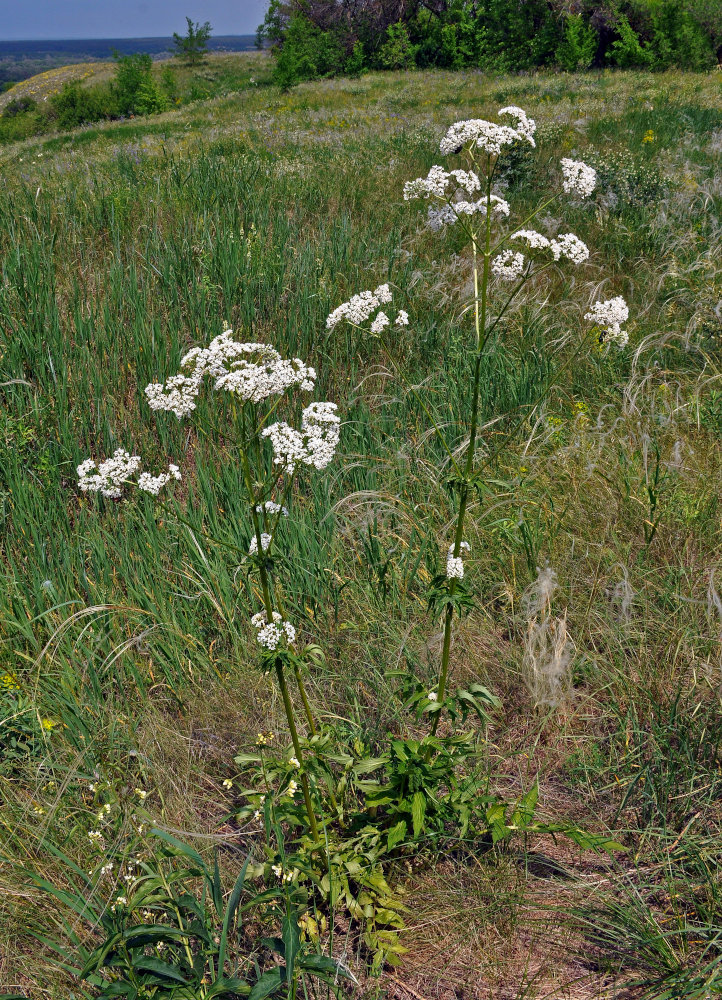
point(43, 19)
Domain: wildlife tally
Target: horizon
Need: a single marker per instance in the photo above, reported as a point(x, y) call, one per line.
point(92, 20)
point(128, 38)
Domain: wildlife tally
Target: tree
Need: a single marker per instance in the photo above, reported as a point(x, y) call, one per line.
point(192, 46)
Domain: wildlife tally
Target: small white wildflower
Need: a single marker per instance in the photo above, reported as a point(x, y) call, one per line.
point(570, 246)
point(227, 783)
point(508, 265)
point(315, 444)
point(432, 696)
point(141, 793)
point(534, 240)
point(489, 136)
point(257, 814)
point(402, 318)
point(359, 307)
point(265, 543)
point(380, 322)
point(579, 178)
point(294, 762)
point(609, 315)
point(292, 788)
point(272, 508)
point(110, 474)
point(454, 568)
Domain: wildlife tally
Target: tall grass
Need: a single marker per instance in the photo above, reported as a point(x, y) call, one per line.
point(122, 246)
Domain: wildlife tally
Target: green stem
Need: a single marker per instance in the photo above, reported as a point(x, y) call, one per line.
point(479, 328)
point(296, 746)
point(268, 604)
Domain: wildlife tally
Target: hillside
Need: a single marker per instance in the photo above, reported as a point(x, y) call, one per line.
point(587, 656)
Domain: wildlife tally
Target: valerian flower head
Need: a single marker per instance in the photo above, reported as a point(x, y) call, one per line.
point(488, 136)
point(270, 507)
point(315, 444)
point(570, 246)
point(265, 544)
point(508, 265)
point(567, 245)
point(380, 322)
point(109, 477)
point(609, 315)
point(269, 634)
point(251, 371)
point(359, 307)
point(455, 564)
point(579, 178)
point(533, 239)
point(454, 568)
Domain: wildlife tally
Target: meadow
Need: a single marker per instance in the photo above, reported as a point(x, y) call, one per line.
point(130, 688)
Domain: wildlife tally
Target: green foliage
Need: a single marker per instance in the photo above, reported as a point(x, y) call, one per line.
point(135, 87)
point(76, 105)
point(678, 39)
point(397, 52)
point(193, 46)
point(307, 53)
point(578, 47)
point(164, 935)
point(19, 106)
point(627, 50)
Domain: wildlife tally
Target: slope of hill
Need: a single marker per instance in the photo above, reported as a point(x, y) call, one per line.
point(132, 693)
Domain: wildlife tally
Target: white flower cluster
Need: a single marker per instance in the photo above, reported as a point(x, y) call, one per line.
point(265, 544)
point(109, 476)
point(566, 245)
point(508, 265)
point(610, 314)
point(456, 202)
point(359, 307)
point(489, 136)
point(579, 178)
point(315, 444)
point(270, 507)
point(154, 484)
point(270, 633)
point(252, 371)
point(570, 246)
point(455, 564)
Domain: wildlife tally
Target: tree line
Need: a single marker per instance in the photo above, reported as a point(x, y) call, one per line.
point(317, 38)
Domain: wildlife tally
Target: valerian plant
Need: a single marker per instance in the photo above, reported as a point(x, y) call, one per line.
point(250, 383)
point(504, 258)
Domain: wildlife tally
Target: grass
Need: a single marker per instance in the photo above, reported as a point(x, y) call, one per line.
point(126, 648)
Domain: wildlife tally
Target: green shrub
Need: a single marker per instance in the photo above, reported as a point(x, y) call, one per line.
point(135, 90)
point(578, 46)
point(19, 106)
point(356, 62)
point(397, 52)
point(76, 105)
point(307, 53)
point(678, 39)
point(627, 50)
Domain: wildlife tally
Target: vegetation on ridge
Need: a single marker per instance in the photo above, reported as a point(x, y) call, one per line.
point(130, 692)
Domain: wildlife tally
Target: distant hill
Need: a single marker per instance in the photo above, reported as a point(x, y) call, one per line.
point(22, 59)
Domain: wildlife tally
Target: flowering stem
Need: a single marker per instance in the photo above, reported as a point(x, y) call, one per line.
point(479, 328)
point(268, 604)
point(296, 746)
